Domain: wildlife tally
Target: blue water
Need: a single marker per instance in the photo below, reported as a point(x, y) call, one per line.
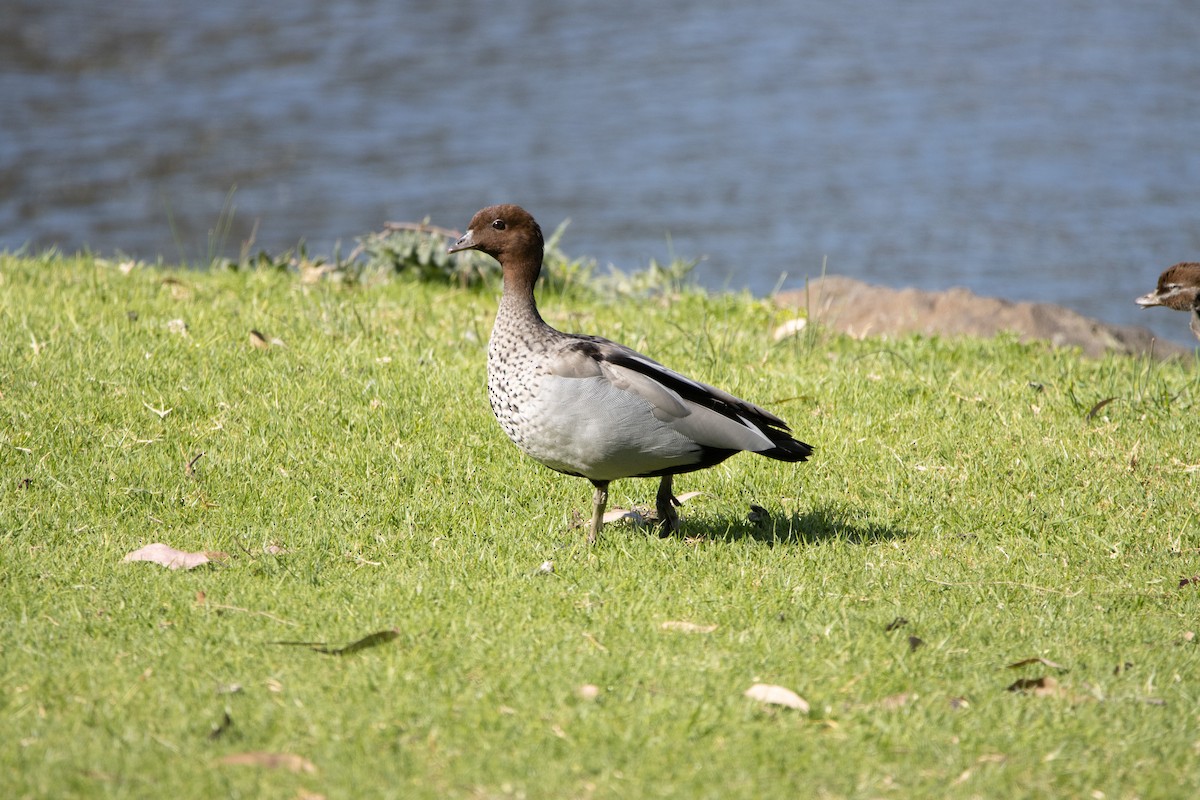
point(1030, 150)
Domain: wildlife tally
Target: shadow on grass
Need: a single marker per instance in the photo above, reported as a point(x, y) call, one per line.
point(817, 525)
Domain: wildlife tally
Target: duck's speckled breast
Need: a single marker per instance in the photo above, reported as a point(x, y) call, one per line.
point(580, 426)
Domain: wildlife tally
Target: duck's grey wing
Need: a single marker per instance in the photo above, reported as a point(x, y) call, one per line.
point(711, 417)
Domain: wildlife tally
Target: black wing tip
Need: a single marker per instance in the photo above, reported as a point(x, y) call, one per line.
point(786, 448)
point(791, 450)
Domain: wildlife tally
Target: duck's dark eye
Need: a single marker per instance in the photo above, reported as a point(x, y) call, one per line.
point(499, 225)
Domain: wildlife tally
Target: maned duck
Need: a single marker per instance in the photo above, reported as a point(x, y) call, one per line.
point(589, 407)
point(1178, 288)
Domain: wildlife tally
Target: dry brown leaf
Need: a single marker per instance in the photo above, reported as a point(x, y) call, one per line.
point(288, 761)
point(894, 701)
point(190, 469)
point(777, 696)
point(1045, 662)
point(1035, 685)
point(638, 516)
point(259, 340)
point(617, 514)
point(313, 273)
point(370, 640)
point(171, 558)
point(789, 328)
point(687, 627)
point(1096, 408)
point(758, 515)
point(596, 643)
point(1045, 686)
point(218, 729)
point(179, 290)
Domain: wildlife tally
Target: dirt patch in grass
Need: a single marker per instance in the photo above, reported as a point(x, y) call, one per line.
point(862, 309)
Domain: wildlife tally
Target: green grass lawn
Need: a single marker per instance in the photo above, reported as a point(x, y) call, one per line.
point(963, 512)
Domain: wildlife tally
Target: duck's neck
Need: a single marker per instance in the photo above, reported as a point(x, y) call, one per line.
point(517, 303)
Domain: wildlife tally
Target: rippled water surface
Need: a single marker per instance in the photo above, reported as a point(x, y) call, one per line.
point(1029, 150)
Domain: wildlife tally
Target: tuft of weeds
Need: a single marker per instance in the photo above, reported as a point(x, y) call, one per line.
point(419, 250)
point(657, 280)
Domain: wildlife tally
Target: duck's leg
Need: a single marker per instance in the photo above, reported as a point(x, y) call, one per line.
point(599, 501)
point(665, 502)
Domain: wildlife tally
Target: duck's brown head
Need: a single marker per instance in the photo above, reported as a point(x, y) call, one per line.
point(1178, 288)
point(509, 234)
